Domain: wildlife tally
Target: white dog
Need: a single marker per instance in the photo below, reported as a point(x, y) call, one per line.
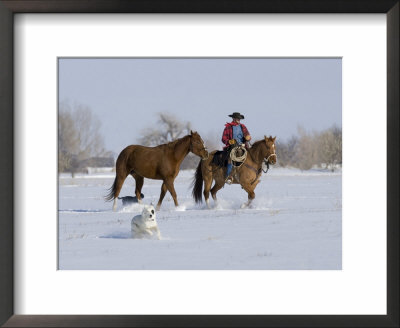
point(145, 225)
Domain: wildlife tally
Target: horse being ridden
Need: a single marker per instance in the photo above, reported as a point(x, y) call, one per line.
point(247, 175)
point(160, 163)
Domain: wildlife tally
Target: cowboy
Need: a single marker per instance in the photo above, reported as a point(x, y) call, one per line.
point(234, 133)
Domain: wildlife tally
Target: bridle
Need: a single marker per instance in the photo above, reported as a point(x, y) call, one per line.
point(266, 162)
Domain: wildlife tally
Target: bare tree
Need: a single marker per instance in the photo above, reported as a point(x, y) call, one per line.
point(79, 136)
point(330, 147)
point(311, 149)
point(91, 142)
point(306, 150)
point(212, 140)
point(286, 151)
point(68, 143)
point(168, 128)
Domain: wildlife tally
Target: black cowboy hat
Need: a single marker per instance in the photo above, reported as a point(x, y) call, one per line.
point(237, 115)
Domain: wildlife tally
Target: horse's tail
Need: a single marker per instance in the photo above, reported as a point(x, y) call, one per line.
point(120, 174)
point(198, 184)
point(111, 191)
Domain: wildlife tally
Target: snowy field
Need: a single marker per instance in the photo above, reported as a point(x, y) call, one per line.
point(295, 223)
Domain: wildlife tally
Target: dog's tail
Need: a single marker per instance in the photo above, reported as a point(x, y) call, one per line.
point(111, 192)
point(197, 184)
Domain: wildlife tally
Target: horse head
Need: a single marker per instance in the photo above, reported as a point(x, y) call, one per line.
point(270, 155)
point(197, 145)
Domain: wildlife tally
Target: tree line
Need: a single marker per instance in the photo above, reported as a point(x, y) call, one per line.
point(303, 151)
point(80, 142)
point(306, 150)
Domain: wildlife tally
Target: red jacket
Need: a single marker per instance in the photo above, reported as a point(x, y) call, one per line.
point(228, 133)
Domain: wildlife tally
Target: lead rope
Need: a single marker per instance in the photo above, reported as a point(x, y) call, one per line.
point(261, 169)
point(239, 159)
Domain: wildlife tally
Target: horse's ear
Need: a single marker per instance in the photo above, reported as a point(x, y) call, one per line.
point(273, 139)
point(191, 132)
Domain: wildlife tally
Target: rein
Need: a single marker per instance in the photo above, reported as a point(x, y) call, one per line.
point(267, 165)
point(266, 162)
point(258, 172)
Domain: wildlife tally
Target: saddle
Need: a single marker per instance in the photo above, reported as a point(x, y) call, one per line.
point(221, 156)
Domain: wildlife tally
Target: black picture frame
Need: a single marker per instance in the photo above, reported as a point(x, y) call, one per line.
point(10, 7)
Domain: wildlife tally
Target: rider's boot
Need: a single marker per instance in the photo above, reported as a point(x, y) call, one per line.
point(229, 178)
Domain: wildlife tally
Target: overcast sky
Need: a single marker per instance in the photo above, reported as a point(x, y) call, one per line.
point(275, 95)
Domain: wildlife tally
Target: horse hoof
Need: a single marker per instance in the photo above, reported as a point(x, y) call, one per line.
point(244, 205)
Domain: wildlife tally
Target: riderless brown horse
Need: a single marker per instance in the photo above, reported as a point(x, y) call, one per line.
point(247, 175)
point(160, 163)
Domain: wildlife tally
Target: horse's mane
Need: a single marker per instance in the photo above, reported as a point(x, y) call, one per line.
point(173, 143)
point(254, 149)
point(257, 143)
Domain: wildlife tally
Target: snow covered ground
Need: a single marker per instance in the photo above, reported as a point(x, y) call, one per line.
point(295, 223)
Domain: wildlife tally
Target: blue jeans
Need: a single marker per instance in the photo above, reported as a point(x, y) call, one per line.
point(229, 169)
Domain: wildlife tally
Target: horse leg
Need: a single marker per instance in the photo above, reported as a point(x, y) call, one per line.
point(217, 186)
point(251, 196)
point(162, 194)
point(219, 178)
point(138, 188)
point(170, 186)
point(207, 187)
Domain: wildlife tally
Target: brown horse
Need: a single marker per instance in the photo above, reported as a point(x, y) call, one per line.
point(160, 163)
point(247, 175)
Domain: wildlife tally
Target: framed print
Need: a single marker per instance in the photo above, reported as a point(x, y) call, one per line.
point(64, 261)
point(167, 121)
